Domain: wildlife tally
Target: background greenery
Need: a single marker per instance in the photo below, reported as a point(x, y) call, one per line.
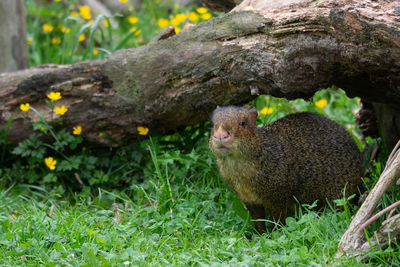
point(160, 200)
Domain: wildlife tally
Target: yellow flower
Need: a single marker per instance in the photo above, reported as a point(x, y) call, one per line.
point(65, 30)
point(175, 21)
point(95, 51)
point(138, 32)
point(73, 14)
point(202, 10)
point(29, 41)
point(180, 17)
point(85, 12)
point(192, 16)
point(50, 163)
point(58, 0)
point(81, 38)
point(321, 103)
point(133, 20)
point(163, 22)
point(142, 130)
point(133, 29)
point(77, 130)
point(105, 23)
point(267, 111)
point(123, 1)
point(54, 96)
point(206, 16)
point(358, 99)
point(48, 28)
point(56, 40)
point(61, 110)
point(24, 107)
point(177, 30)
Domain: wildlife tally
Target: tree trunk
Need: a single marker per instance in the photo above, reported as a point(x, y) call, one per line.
point(388, 117)
point(289, 51)
point(13, 52)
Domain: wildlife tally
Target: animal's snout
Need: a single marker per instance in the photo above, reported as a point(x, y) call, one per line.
point(220, 134)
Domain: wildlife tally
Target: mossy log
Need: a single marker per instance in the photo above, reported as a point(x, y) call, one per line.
point(290, 50)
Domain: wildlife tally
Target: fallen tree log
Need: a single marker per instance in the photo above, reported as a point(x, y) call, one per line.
point(221, 5)
point(291, 51)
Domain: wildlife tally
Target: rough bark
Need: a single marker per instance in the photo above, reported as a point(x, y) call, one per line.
point(366, 120)
point(221, 5)
point(171, 83)
point(387, 234)
point(388, 116)
point(13, 51)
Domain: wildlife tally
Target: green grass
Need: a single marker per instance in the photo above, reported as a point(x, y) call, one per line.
point(191, 221)
point(198, 226)
point(173, 206)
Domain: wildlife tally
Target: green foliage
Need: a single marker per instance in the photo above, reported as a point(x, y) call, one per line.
point(62, 33)
point(35, 150)
point(55, 158)
point(332, 103)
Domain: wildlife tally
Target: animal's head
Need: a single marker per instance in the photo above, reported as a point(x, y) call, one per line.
point(233, 131)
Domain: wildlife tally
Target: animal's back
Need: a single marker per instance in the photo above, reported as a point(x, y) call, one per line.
point(320, 157)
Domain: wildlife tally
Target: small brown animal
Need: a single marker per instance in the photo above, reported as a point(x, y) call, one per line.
point(302, 155)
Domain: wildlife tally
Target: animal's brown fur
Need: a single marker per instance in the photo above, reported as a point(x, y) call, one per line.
point(302, 155)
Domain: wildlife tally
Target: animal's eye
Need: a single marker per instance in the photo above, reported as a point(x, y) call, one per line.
point(242, 123)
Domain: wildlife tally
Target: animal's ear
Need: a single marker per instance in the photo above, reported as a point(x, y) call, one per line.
point(253, 113)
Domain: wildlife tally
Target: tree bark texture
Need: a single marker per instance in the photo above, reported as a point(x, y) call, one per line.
point(288, 51)
point(13, 51)
point(221, 5)
point(388, 116)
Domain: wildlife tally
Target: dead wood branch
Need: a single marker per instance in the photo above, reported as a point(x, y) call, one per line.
point(387, 233)
point(354, 238)
point(380, 214)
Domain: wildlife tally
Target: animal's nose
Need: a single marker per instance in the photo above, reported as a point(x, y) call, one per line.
point(221, 134)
